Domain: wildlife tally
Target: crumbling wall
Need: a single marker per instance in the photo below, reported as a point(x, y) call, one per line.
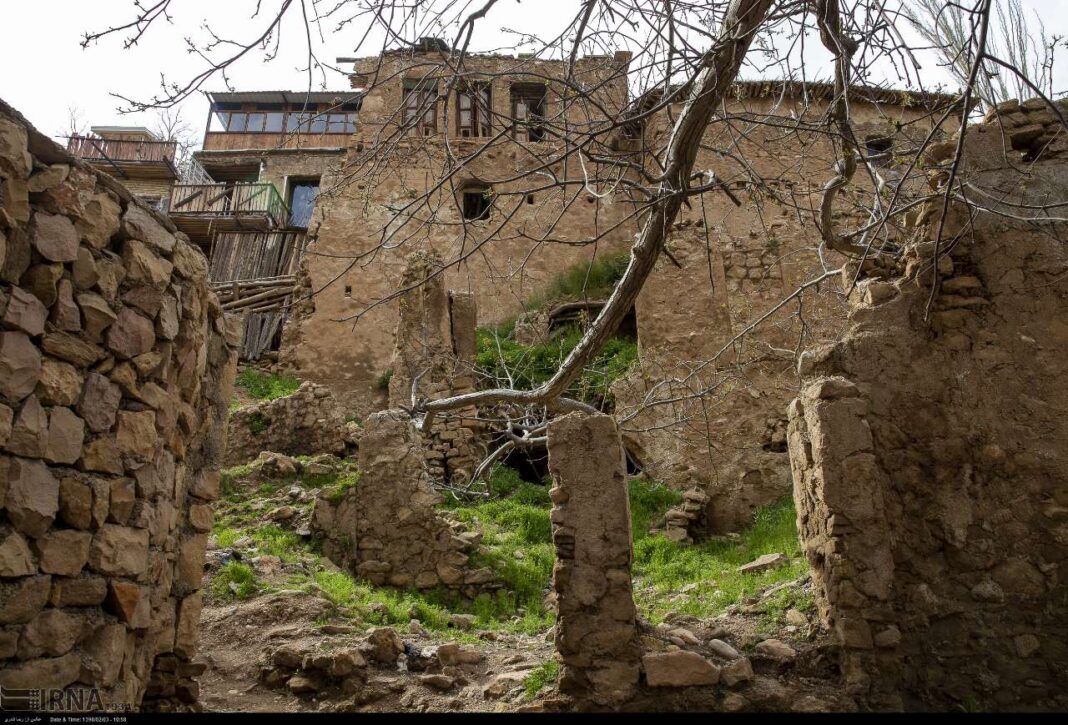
point(306, 423)
point(596, 625)
point(116, 366)
point(929, 460)
point(386, 528)
point(435, 349)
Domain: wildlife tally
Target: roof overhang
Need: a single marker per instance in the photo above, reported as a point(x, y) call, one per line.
point(293, 98)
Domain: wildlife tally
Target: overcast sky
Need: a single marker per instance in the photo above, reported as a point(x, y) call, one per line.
point(46, 72)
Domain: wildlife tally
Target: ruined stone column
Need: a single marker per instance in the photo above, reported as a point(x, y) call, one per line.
point(435, 347)
point(596, 630)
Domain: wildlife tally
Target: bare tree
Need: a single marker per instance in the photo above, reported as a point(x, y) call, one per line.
point(686, 57)
point(170, 125)
point(1019, 40)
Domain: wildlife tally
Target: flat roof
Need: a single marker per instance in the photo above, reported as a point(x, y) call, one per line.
point(101, 130)
point(288, 97)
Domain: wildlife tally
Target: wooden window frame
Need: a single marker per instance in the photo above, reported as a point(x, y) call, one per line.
point(480, 108)
point(419, 101)
point(522, 94)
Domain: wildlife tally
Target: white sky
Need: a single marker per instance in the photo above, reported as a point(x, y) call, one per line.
point(46, 71)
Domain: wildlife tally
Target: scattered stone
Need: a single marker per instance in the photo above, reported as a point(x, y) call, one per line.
point(438, 682)
point(384, 645)
point(764, 563)
point(282, 513)
point(738, 671)
point(678, 669)
point(775, 650)
point(796, 618)
point(462, 621)
point(502, 684)
point(724, 650)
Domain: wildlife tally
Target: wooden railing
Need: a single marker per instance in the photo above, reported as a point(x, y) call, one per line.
point(228, 200)
point(87, 147)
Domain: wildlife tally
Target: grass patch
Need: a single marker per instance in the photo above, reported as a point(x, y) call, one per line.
point(383, 379)
point(336, 491)
point(528, 366)
point(662, 567)
point(264, 386)
point(258, 423)
point(539, 677)
point(243, 578)
point(583, 281)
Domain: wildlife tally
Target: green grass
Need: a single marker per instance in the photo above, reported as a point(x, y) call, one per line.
point(336, 490)
point(500, 358)
point(539, 677)
point(263, 386)
point(241, 575)
point(663, 567)
point(583, 281)
point(258, 423)
point(384, 378)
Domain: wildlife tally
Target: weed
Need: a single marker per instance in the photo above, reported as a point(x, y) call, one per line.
point(263, 386)
point(384, 378)
point(241, 576)
point(539, 677)
point(258, 423)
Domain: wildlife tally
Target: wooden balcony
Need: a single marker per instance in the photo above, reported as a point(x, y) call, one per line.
point(202, 210)
point(126, 159)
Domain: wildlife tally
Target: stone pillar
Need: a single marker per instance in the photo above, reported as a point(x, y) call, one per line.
point(435, 341)
point(386, 528)
point(596, 629)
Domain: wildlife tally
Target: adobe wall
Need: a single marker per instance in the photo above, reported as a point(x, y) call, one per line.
point(720, 425)
point(116, 367)
point(929, 461)
point(502, 262)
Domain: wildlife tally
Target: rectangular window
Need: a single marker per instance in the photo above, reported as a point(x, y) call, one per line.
point(477, 201)
point(274, 122)
point(255, 122)
point(236, 123)
point(421, 106)
point(528, 111)
point(302, 202)
point(473, 110)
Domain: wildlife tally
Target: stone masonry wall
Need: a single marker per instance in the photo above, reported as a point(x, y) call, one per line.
point(436, 348)
point(385, 528)
point(308, 422)
point(116, 366)
point(929, 462)
point(596, 625)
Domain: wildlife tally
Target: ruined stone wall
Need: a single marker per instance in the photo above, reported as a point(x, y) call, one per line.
point(386, 528)
point(596, 625)
point(724, 431)
point(116, 366)
point(436, 351)
point(308, 422)
point(929, 461)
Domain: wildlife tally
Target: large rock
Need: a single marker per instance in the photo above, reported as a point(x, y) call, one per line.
point(16, 559)
point(678, 669)
point(53, 632)
point(99, 404)
point(97, 314)
point(21, 599)
point(103, 653)
point(60, 383)
point(51, 673)
point(71, 348)
point(55, 237)
point(185, 638)
point(20, 366)
point(66, 431)
point(29, 431)
point(65, 314)
point(63, 551)
point(138, 223)
point(24, 312)
point(119, 550)
point(131, 334)
point(98, 221)
point(144, 266)
point(131, 603)
point(32, 496)
point(136, 435)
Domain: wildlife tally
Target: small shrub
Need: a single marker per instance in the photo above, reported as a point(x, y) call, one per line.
point(241, 576)
point(263, 386)
point(258, 423)
point(539, 677)
point(384, 378)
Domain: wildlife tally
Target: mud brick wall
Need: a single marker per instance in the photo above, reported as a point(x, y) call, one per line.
point(116, 366)
point(386, 528)
point(308, 422)
point(929, 464)
point(436, 349)
point(596, 628)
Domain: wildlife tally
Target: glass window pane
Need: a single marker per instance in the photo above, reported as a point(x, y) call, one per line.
point(302, 203)
point(352, 123)
point(219, 122)
point(318, 124)
point(237, 122)
point(255, 122)
point(274, 122)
